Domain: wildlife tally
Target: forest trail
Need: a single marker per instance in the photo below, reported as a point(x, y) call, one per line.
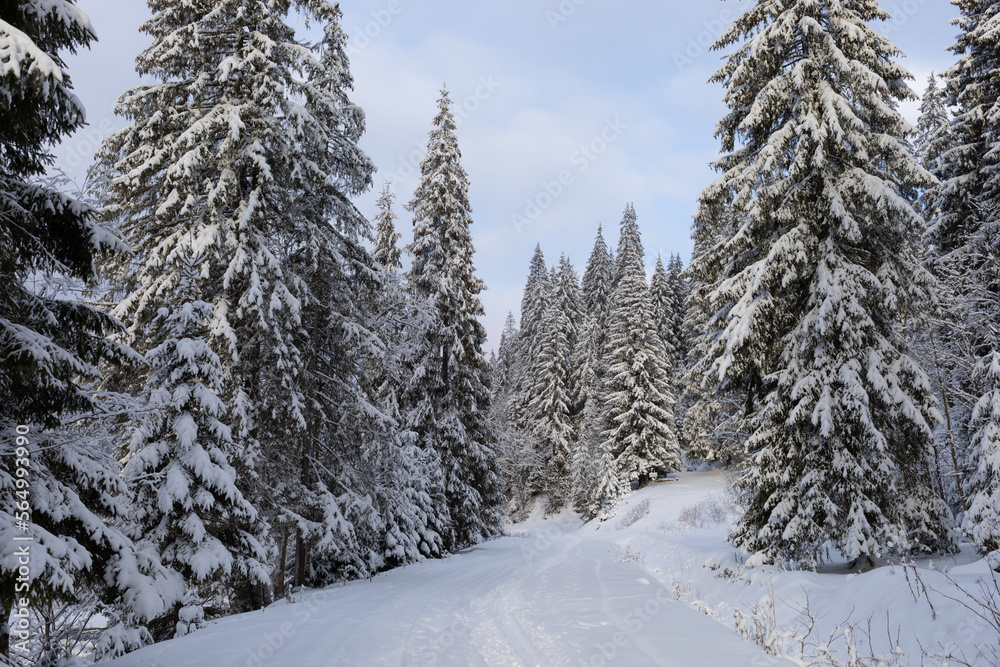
point(553, 594)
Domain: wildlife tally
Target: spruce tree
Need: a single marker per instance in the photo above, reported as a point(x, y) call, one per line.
point(515, 459)
point(962, 242)
point(941, 341)
point(336, 513)
point(387, 252)
point(982, 521)
point(595, 294)
point(590, 367)
point(54, 343)
point(680, 290)
point(550, 406)
point(967, 166)
point(533, 301)
point(667, 293)
point(182, 463)
point(639, 425)
point(566, 291)
point(714, 428)
point(596, 290)
point(537, 291)
point(505, 367)
point(610, 485)
point(448, 398)
point(585, 461)
point(932, 136)
point(407, 476)
point(628, 234)
point(662, 300)
point(245, 155)
point(817, 283)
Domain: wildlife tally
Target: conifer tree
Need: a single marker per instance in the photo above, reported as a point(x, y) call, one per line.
point(590, 367)
point(245, 156)
point(667, 298)
point(610, 485)
point(817, 283)
point(962, 243)
point(661, 296)
point(714, 428)
point(54, 343)
point(585, 460)
point(941, 344)
point(639, 425)
point(628, 234)
point(967, 166)
point(679, 290)
point(387, 252)
point(533, 302)
point(982, 521)
point(517, 458)
point(448, 398)
point(566, 291)
point(550, 404)
point(537, 291)
point(596, 291)
point(182, 464)
point(505, 367)
point(932, 127)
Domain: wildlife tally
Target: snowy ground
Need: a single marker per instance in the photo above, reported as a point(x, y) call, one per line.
point(654, 585)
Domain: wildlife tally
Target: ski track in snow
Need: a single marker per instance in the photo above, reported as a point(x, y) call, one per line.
point(549, 597)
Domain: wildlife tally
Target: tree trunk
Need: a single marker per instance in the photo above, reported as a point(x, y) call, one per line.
point(279, 568)
point(947, 418)
point(300, 559)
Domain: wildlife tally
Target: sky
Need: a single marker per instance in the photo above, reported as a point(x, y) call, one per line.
point(567, 111)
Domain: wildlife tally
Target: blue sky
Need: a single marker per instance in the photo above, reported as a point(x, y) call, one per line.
point(568, 110)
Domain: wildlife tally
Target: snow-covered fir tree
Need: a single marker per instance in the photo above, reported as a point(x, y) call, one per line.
point(628, 234)
point(537, 291)
point(982, 521)
point(338, 518)
point(639, 423)
point(448, 397)
point(589, 364)
point(932, 137)
point(816, 284)
point(586, 459)
point(182, 464)
point(610, 486)
point(667, 296)
point(944, 340)
point(714, 428)
point(967, 161)
point(962, 247)
point(680, 290)
point(567, 293)
point(54, 343)
point(661, 295)
point(246, 152)
point(407, 478)
point(387, 252)
point(505, 366)
point(533, 305)
point(596, 289)
point(517, 457)
point(550, 406)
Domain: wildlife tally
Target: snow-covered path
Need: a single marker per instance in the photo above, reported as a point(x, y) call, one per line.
point(554, 595)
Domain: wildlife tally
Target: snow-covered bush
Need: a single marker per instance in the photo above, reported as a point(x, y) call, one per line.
point(713, 511)
point(637, 511)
